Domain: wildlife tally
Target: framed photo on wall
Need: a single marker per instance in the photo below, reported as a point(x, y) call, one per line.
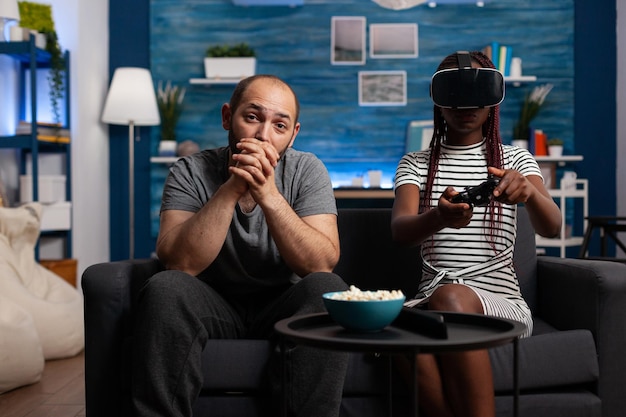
point(347, 40)
point(382, 88)
point(393, 40)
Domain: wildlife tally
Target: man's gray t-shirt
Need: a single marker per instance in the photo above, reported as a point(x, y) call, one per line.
point(249, 261)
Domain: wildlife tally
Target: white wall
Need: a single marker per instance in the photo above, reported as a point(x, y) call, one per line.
point(82, 26)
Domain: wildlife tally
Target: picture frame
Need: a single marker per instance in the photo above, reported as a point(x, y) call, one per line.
point(382, 88)
point(347, 40)
point(393, 40)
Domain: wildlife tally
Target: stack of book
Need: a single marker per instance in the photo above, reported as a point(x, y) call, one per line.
point(47, 132)
point(501, 56)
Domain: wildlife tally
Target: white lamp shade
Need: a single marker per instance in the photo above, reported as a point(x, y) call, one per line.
point(9, 9)
point(131, 98)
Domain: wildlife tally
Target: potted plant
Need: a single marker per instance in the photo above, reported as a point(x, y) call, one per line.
point(38, 17)
point(230, 61)
point(555, 147)
point(531, 106)
point(170, 103)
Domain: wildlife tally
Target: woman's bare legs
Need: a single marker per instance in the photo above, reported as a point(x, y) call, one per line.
point(455, 384)
point(432, 401)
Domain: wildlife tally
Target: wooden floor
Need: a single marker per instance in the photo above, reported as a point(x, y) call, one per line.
point(59, 393)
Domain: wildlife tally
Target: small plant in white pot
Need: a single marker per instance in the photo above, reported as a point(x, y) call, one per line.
point(170, 103)
point(230, 61)
point(555, 147)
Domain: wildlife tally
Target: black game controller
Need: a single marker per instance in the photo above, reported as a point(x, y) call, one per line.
point(479, 195)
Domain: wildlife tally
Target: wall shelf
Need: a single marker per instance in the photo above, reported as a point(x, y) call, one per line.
point(562, 158)
point(290, 3)
point(212, 81)
point(517, 81)
point(559, 160)
point(163, 159)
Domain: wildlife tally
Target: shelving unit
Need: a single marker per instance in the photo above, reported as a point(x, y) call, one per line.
point(577, 189)
point(31, 58)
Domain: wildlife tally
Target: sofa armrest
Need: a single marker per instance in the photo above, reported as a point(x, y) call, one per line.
point(581, 294)
point(588, 294)
point(109, 290)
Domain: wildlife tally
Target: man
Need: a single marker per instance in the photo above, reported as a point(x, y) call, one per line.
point(249, 236)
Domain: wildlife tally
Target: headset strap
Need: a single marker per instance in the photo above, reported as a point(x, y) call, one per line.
point(465, 61)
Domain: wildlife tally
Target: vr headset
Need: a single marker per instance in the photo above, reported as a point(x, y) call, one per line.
point(466, 87)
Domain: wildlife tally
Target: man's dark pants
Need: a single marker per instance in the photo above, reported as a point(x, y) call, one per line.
point(177, 314)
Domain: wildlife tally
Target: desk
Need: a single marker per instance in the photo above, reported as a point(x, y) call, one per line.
point(366, 193)
point(465, 332)
point(608, 226)
point(358, 197)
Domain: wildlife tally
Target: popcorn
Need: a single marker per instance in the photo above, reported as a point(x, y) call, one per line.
point(355, 294)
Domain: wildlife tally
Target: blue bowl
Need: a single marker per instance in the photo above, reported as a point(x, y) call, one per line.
point(361, 315)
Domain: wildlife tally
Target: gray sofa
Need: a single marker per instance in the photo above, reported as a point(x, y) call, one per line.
point(573, 365)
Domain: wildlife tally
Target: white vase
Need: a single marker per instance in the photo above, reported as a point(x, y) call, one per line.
point(229, 68)
point(18, 34)
point(555, 150)
point(41, 41)
point(167, 148)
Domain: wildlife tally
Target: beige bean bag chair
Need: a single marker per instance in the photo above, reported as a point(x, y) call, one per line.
point(21, 357)
point(54, 306)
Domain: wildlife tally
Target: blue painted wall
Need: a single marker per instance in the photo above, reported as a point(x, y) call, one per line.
point(129, 47)
point(294, 43)
point(553, 38)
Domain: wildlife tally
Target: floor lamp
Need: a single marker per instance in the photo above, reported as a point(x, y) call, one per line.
point(131, 101)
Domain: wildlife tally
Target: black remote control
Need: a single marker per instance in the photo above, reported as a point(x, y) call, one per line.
point(479, 195)
point(424, 322)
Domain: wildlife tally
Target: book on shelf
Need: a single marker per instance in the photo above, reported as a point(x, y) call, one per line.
point(47, 132)
point(541, 143)
point(501, 56)
point(538, 142)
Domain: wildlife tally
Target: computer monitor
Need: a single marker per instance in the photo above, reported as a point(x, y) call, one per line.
point(418, 135)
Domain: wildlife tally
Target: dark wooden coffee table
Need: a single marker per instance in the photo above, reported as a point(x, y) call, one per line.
point(464, 332)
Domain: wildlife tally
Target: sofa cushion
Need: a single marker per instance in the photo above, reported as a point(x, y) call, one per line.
point(558, 359)
point(369, 257)
point(574, 403)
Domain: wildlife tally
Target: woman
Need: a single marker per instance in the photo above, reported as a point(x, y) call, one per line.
point(467, 249)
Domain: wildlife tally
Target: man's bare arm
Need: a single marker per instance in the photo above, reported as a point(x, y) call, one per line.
point(307, 244)
point(189, 241)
